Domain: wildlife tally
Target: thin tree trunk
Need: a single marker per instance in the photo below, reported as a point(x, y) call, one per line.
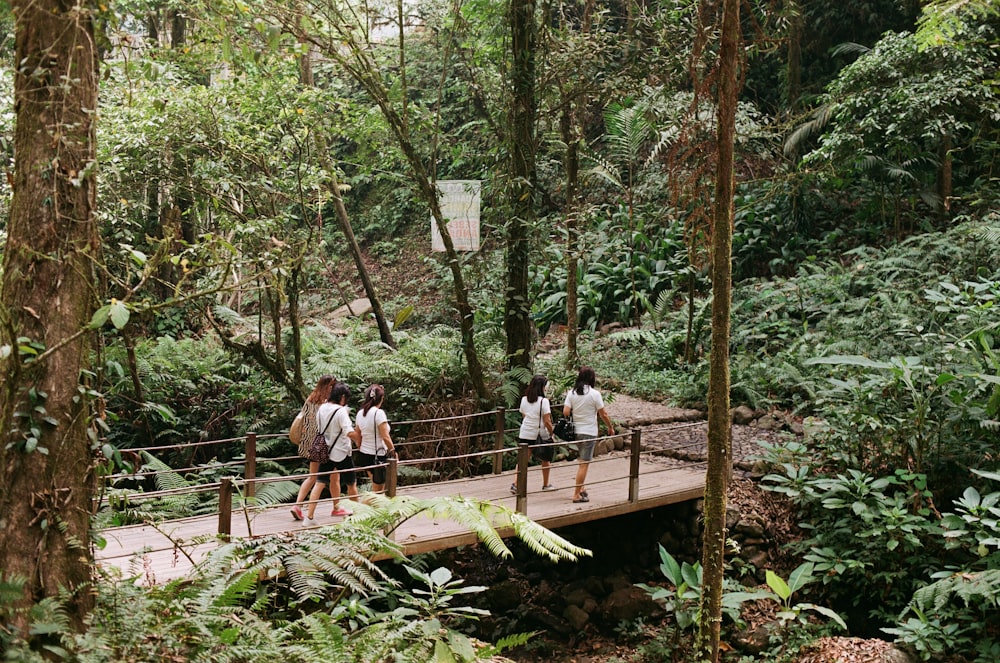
point(47, 298)
point(945, 176)
point(517, 306)
point(719, 421)
point(572, 168)
point(794, 64)
point(344, 221)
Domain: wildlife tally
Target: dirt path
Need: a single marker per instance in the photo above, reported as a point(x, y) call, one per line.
point(682, 434)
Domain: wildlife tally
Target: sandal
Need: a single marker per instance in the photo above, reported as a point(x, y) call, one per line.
point(582, 498)
point(513, 489)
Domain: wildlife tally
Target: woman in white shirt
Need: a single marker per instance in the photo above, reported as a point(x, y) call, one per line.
point(333, 419)
point(585, 404)
point(376, 442)
point(536, 427)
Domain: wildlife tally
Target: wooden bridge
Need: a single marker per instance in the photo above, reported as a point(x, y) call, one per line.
point(620, 481)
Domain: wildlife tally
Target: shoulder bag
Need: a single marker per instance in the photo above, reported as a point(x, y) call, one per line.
point(564, 429)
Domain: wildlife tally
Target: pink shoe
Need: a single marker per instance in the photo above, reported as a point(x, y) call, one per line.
point(340, 512)
point(297, 512)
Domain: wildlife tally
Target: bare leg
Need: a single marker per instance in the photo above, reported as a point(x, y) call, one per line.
point(581, 477)
point(545, 472)
point(317, 492)
point(308, 483)
point(335, 488)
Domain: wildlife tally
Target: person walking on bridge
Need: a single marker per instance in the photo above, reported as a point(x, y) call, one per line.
point(308, 423)
point(334, 419)
point(584, 403)
point(376, 442)
point(536, 426)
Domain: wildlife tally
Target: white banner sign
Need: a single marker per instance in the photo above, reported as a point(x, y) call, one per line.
point(460, 206)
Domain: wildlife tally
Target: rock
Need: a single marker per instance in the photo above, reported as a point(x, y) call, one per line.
point(504, 595)
point(768, 422)
point(750, 529)
point(358, 309)
point(618, 581)
point(732, 516)
point(627, 604)
point(797, 428)
point(758, 561)
point(550, 622)
point(577, 618)
point(742, 415)
point(578, 597)
point(896, 655)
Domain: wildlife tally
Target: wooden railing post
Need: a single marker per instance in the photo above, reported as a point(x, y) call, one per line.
point(390, 476)
point(523, 456)
point(498, 441)
point(633, 466)
point(250, 465)
point(226, 507)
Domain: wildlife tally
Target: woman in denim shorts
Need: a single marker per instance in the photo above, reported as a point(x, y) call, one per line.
point(585, 404)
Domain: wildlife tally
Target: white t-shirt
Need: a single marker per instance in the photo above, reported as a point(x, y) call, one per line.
point(341, 425)
point(585, 409)
point(533, 413)
point(371, 442)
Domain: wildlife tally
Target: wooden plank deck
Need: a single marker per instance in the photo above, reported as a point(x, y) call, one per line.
point(144, 551)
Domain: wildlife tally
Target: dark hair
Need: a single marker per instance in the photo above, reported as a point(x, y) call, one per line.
point(374, 395)
point(536, 388)
point(585, 377)
point(322, 389)
point(338, 392)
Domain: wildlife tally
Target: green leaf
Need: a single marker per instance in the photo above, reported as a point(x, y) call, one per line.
point(801, 576)
point(119, 314)
point(779, 586)
point(826, 612)
point(100, 317)
point(441, 576)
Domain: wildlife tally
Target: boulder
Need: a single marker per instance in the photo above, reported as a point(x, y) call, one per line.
point(628, 604)
point(742, 415)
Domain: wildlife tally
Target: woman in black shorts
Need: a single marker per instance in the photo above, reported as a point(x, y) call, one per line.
point(536, 427)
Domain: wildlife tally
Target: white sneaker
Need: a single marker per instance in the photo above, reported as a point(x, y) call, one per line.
point(548, 486)
point(308, 522)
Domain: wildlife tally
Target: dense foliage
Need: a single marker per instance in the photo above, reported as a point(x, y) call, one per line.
point(864, 254)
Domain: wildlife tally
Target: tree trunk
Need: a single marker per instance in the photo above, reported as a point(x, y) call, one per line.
point(517, 306)
point(794, 65)
point(46, 300)
point(719, 422)
point(352, 244)
point(572, 168)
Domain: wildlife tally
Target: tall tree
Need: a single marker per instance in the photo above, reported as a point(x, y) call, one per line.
point(46, 302)
point(719, 422)
point(517, 307)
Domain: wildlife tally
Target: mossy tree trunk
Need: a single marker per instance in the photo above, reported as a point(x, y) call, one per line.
point(47, 298)
point(719, 421)
point(517, 306)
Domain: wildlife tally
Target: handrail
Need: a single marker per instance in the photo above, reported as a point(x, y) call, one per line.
point(248, 482)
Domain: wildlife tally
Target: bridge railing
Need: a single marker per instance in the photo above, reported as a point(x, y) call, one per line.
point(243, 486)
